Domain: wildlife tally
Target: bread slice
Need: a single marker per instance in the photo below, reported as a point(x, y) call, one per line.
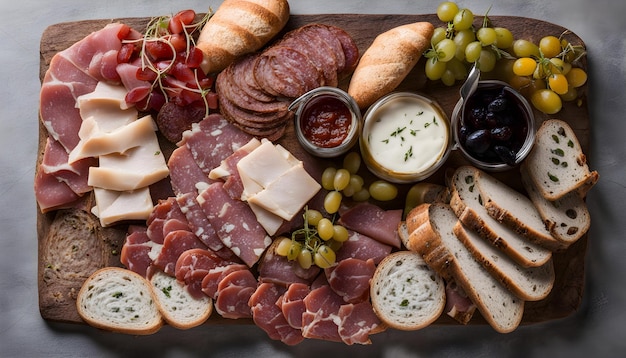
point(567, 218)
point(467, 203)
point(514, 209)
point(432, 236)
point(557, 164)
point(178, 307)
point(119, 300)
point(529, 284)
point(406, 294)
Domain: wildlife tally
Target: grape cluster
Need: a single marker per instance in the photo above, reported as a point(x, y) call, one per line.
point(170, 64)
point(545, 72)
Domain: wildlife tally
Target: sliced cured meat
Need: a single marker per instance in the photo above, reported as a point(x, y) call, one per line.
point(278, 269)
point(292, 303)
point(350, 279)
point(174, 244)
point(136, 252)
point(185, 174)
point(235, 223)
point(51, 193)
point(233, 293)
point(243, 73)
point(458, 305)
point(350, 50)
point(165, 217)
point(55, 162)
point(192, 266)
point(321, 318)
point(316, 49)
point(371, 220)
point(227, 86)
point(57, 108)
point(215, 275)
point(358, 321)
point(359, 246)
point(287, 72)
point(269, 317)
point(173, 119)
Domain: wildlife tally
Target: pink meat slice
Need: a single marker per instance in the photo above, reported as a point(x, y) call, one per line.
point(55, 162)
point(192, 266)
point(135, 254)
point(350, 279)
point(51, 193)
point(161, 214)
point(185, 174)
point(320, 320)
point(292, 303)
point(215, 275)
point(269, 317)
point(233, 293)
point(359, 246)
point(373, 221)
point(358, 321)
point(278, 269)
point(235, 223)
point(57, 108)
point(174, 244)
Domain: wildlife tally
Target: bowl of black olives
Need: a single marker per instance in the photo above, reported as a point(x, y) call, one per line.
point(495, 127)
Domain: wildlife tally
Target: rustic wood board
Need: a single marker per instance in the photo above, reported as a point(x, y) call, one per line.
point(58, 264)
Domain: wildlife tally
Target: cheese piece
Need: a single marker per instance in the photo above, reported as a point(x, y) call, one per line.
point(115, 206)
point(270, 221)
point(138, 167)
point(286, 195)
point(261, 167)
point(96, 142)
point(107, 105)
point(223, 171)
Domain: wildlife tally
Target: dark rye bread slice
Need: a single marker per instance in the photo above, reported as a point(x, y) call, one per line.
point(557, 165)
point(431, 235)
point(467, 203)
point(567, 218)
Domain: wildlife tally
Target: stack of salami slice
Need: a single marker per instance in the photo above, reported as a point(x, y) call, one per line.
point(255, 91)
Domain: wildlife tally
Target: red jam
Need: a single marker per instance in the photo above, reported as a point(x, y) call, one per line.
point(326, 121)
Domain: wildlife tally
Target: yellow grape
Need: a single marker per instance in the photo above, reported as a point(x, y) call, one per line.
point(352, 162)
point(524, 66)
point(332, 201)
point(305, 258)
point(550, 46)
point(519, 82)
point(294, 250)
point(560, 66)
point(446, 11)
point(356, 182)
point(383, 191)
point(558, 83)
point(570, 95)
point(282, 249)
point(576, 77)
point(324, 257)
point(504, 37)
point(361, 195)
point(341, 179)
point(313, 217)
point(340, 233)
point(547, 101)
point(348, 191)
point(325, 229)
point(328, 178)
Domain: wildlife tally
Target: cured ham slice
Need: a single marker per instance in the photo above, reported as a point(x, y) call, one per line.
point(350, 279)
point(165, 217)
point(136, 251)
point(268, 316)
point(278, 269)
point(215, 275)
point(357, 323)
point(192, 266)
point(292, 303)
point(362, 247)
point(373, 221)
point(185, 174)
point(55, 163)
point(174, 244)
point(234, 292)
point(51, 193)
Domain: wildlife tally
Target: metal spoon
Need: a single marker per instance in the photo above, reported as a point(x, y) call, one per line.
point(470, 85)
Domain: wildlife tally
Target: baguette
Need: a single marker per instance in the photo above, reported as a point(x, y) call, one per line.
point(119, 300)
point(405, 293)
point(556, 165)
point(432, 236)
point(388, 60)
point(239, 27)
point(178, 307)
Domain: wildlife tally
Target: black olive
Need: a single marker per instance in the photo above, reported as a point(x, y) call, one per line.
point(478, 141)
point(507, 155)
point(505, 119)
point(476, 117)
point(498, 105)
point(464, 131)
point(501, 133)
point(491, 119)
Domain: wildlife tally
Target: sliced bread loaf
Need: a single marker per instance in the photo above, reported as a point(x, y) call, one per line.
point(514, 209)
point(467, 203)
point(179, 308)
point(566, 218)
point(119, 300)
point(529, 284)
point(406, 294)
point(435, 240)
point(557, 164)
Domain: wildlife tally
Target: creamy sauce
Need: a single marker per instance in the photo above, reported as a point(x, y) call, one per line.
point(406, 136)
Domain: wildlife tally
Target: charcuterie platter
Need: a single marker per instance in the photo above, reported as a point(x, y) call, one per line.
point(65, 264)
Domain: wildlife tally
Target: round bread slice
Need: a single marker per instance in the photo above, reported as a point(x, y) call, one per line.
point(119, 300)
point(178, 307)
point(405, 293)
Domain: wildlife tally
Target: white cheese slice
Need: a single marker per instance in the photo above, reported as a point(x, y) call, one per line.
point(138, 167)
point(270, 221)
point(96, 142)
point(261, 167)
point(288, 194)
point(224, 170)
point(107, 105)
point(114, 206)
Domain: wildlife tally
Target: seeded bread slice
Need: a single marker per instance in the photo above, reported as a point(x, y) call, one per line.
point(567, 218)
point(179, 308)
point(467, 203)
point(514, 210)
point(119, 300)
point(432, 236)
point(406, 294)
point(557, 164)
point(529, 284)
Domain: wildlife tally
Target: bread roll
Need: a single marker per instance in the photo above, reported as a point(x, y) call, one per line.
point(239, 27)
point(388, 60)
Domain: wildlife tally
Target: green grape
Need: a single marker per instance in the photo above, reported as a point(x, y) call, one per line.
point(325, 229)
point(313, 217)
point(462, 39)
point(570, 95)
point(446, 11)
point(305, 258)
point(361, 195)
point(547, 101)
point(504, 38)
point(487, 60)
point(356, 182)
point(328, 178)
point(463, 19)
point(283, 246)
point(457, 68)
point(352, 162)
point(438, 34)
point(341, 179)
point(486, 36)
point(448, 78)
point(383, 191)
point(334, 245)
point(340, 233)
point(324, 257)
point(446, 50)
point(560, 66)
point(472, 51)
point(434, 69)
point(332, 201)
point(294, 250)
point(525, 48)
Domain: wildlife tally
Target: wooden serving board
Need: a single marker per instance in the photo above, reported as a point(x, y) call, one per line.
point(64, 263)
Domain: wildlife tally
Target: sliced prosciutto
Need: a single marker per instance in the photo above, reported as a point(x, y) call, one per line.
point(350, 279)
point(215, 275)
point(292, 303)
point(185, 174)
point(359, 246)
point(358, 322)
point(174, 244)
point(278, 269)
point(55, 162)
point(192, 266)
point(373, 221)
point(268, 316)
point(233, 293)
point(135, 254)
